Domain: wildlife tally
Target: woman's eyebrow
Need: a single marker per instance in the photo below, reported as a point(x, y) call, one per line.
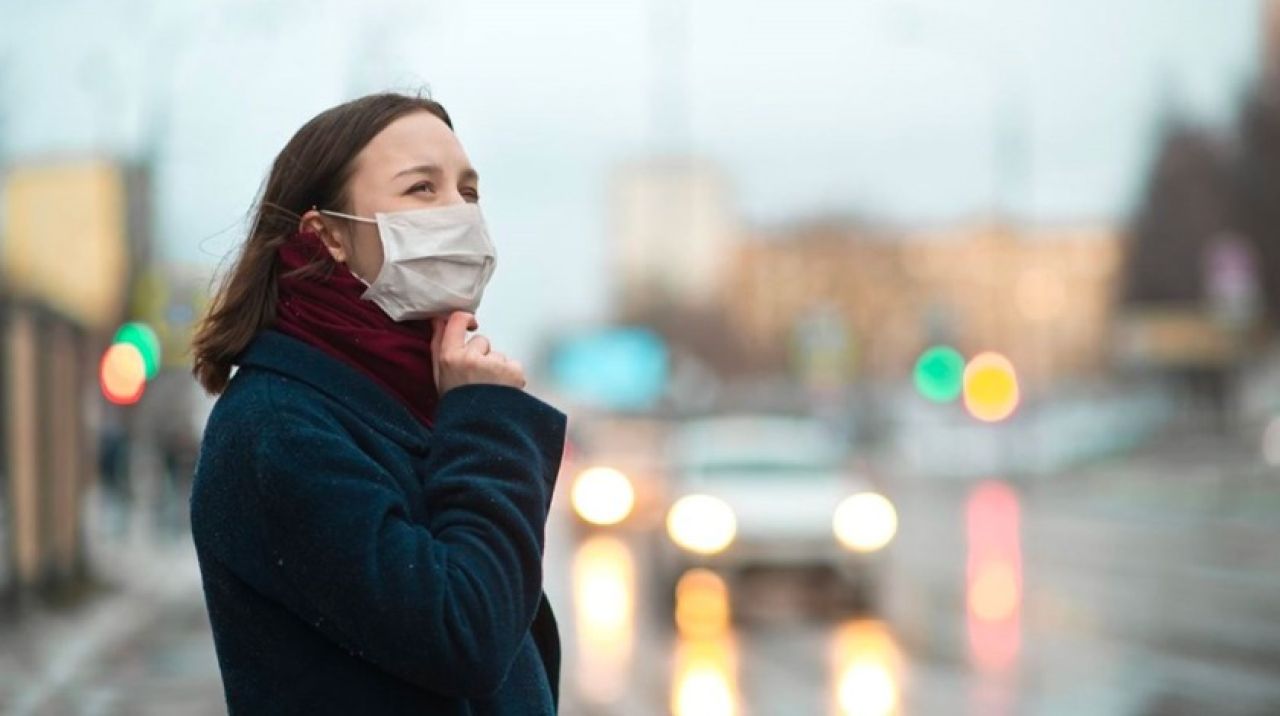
point(418, 169)
point(468, 174)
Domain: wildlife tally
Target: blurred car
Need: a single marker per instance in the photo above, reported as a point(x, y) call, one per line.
point(752, 491)
point(615, 472)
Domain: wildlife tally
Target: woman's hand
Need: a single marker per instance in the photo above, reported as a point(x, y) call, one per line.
point(458, 361)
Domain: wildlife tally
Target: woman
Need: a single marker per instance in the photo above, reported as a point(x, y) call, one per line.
point(372, 488)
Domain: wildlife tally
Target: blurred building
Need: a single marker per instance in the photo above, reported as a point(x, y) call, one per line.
point(1043, 296)
point(72, 232)
point(673, 223)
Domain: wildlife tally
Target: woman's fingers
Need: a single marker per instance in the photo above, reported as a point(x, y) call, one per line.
point(437, 335)
point(460, 361)
point(479, 345)
point(454, 335)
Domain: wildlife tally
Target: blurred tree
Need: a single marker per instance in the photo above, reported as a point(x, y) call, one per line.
point(1257, 182)
point(1187, 204)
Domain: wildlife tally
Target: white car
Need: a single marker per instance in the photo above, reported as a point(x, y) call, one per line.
point(769, 490)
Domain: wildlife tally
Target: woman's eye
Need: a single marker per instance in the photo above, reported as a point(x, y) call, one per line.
point(471, 194)
point(421, 186)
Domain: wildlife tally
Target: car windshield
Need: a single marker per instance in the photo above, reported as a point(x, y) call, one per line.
point(762, 469)
point(766, 447)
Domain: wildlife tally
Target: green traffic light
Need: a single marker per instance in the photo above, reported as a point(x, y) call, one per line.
point(142, 337)
point(939, 374)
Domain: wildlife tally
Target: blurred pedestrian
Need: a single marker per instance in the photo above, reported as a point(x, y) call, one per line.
point(372, 486)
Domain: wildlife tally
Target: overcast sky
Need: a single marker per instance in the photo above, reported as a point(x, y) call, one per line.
point(908, 110)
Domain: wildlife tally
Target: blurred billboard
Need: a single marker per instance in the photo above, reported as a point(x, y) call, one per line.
point(64, 238)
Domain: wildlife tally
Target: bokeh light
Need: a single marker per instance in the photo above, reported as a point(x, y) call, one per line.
point(603, 496)
point(604, 583)
point(990, 387)
point(867, 669)
point(939, 374)
point(993, 591)
point(123, 374)
point(993, 575)
point(705, 681)
point(867, 689)
point(865, 522)
point(144, 338)
point(702, 604)
point(702, 524)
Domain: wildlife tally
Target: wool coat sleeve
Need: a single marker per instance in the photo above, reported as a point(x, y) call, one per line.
point(443, 600)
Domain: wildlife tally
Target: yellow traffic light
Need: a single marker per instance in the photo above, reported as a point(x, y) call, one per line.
point(990, 387)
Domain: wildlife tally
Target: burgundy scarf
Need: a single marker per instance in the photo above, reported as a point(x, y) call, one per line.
point(329, 314)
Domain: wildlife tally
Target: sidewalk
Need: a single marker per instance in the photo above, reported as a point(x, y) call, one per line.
point(141, 646)
point(1180, 474)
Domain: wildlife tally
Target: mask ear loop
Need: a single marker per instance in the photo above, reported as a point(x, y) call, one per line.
point(347, 264)
point(347, 216)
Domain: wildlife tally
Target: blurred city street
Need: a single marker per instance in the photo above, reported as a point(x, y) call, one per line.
point(1149, 584)
point(137, 643)
point(919, 357)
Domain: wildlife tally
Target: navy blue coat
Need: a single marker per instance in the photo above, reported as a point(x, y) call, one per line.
point(356, 562)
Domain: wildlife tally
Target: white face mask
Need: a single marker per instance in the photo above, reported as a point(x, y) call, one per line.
point(434, 261)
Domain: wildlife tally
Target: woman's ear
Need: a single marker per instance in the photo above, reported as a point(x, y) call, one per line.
point(313, 222)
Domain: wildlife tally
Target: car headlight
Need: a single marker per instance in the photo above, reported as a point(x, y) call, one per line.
point(603, 496)
point(865, 522)
point(701, 524)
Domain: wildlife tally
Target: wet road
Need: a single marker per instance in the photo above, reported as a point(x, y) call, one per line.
point(1143, 585)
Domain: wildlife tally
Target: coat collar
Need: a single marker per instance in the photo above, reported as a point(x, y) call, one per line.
point(288, 356)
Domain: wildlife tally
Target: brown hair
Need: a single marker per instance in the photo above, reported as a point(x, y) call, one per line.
point(311, 170)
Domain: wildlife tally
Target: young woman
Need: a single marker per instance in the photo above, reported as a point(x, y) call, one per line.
point(372, 488)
